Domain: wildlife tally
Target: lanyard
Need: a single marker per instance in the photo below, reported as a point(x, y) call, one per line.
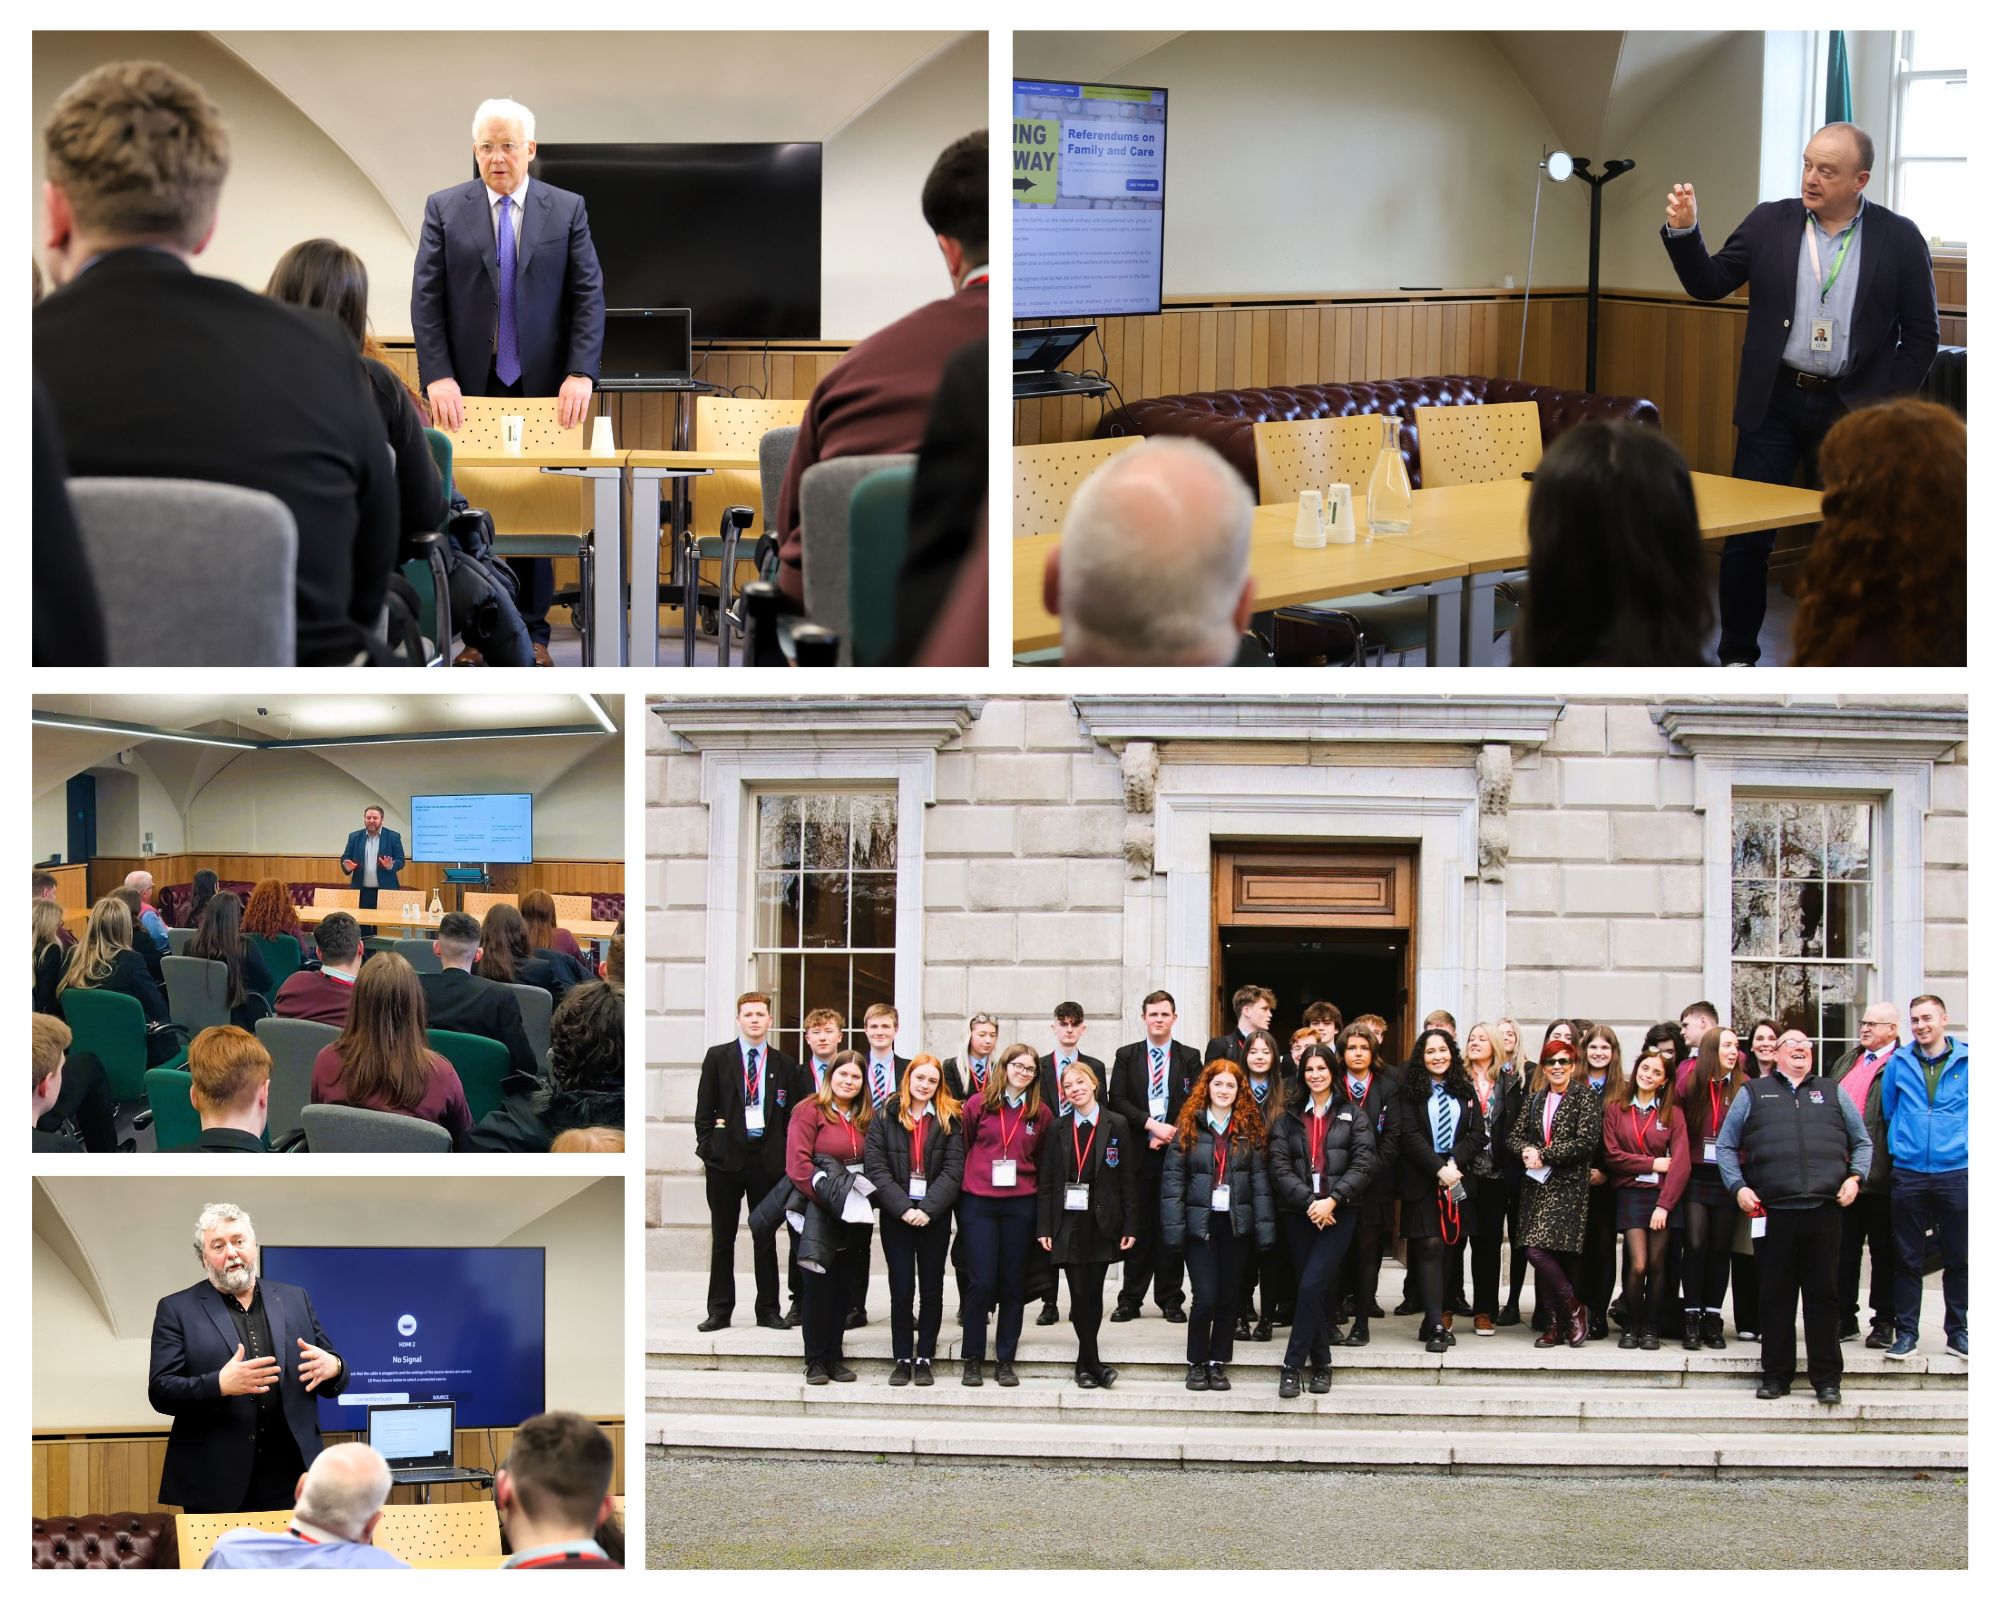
point(1840, 257)
point(1447, 1216)
point(1082, 1150)
point(1316, 1129)
point(1007, 1134)
point(1641, 1134)
point(917, 1146)
point(1221, 1158)
point(853, 1138)
point(1714, 1109)
point(1485, 1093)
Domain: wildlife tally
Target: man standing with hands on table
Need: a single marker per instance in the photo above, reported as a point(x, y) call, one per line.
point(1843, 311)
point(508, 300)
point(238, 1364)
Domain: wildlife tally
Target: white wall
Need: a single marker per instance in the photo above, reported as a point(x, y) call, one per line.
point(49, 825)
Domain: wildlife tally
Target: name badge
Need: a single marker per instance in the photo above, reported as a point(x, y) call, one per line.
point(753, 1118)
point(1708, 1151)
point(1218, 1199)
point(1649, 1177)
point(1316, 1177)
point(1076, 1197)
point(1003, 1174)
point(919, 1186)
point(1757, 1226)
point(1538, 1174)
point(1822, 336)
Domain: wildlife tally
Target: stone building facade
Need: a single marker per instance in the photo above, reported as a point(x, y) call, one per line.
point(1520, 856)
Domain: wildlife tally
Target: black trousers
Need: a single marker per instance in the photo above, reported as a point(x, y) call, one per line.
point(1152, 1260)
point(1598, 1268)
point(727, 1194)
point(1362, 1275)
point(1866, 1222)
point(1086, 1309)
point(274, 1476)
point(537, 574)
point(1493, 1215)
point(823, 1303)
point(86, 1101)
point(1789, 435)
point(916, 1259)
point(1215, 1273)
point(1746, 1297)
point(1269, 1273)
point(1799, 1257)
point(1317, 1255)
point(999, 1233)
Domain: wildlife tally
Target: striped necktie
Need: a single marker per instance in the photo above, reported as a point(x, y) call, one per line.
point(750, 1080)
point(1158, 1088)
point(1440, 1120)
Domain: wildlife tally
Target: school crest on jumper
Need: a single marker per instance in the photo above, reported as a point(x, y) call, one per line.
point(1111, 1154)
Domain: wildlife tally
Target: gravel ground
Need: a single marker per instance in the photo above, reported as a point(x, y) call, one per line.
point(694, 1506)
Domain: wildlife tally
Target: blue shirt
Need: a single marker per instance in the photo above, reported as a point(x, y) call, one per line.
point(258, 1547)
point(1728, 1143)
point(1838, 305)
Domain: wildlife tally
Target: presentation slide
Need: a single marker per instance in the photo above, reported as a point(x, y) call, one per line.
point(466, 1325)
point(1090, 196)
point(472, 827)
point(410, 1435)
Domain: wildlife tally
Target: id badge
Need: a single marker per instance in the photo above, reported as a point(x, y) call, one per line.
point(1003, 1173)
point(1757, 1225)
point(1708, 1151)
point(1650, 1177)
point(919, 1186)
point(1218, 1199)
point(1316, 1178)
point(1822, 336)
point(1076, 1197)
point(753, 1119)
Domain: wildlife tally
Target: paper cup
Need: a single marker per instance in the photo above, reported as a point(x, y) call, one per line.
point(1307, 532)
point(1340, 513)
point(600, 437)
point(512, 432)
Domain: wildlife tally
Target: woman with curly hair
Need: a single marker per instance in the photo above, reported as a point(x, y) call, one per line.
point(1215, 1209)
point(1557, 1136)
point(1884, 582)
point(1434, 1131)
point(270, 912)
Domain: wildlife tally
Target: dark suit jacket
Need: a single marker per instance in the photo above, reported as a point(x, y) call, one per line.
point(1895, 332)
point(457, 1000)
point(1130, 1069)
point(944, 505)
point(720, 1137)
point(1111, 1168)
point(389, 848)
point(1052, 1090)
point(455, 293)
point(69, 623)
point(213, 1442)
point(1231, 1044)
point(157, 372)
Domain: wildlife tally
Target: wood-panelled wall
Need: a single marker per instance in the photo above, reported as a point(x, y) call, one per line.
point(72, 884)
point(94, 1474)
point(558, 877)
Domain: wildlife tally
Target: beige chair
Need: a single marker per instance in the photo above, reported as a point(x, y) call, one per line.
point(1311, 454)
point(336, 899)
point(534, 513)
point(459, 1533)
point(195, 1532)
point(1477, 444)
point(478, 902)
point(1046, 478)
point(572, 907)
point(725, 423)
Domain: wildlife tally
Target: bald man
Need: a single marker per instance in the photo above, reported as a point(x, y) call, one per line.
point(340, 1499)
point(1154, 568)
point(1843, 311)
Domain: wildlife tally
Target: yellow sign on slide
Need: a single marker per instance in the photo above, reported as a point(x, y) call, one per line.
point(1036, 143)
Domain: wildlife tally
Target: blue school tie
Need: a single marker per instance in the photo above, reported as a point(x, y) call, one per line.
point(507, 345)
point(1440, 1120)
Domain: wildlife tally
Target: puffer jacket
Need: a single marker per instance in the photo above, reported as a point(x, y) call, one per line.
point(1348, 1161)
point(1188, 1180)
point(1924, 1137)
point(822, 1235)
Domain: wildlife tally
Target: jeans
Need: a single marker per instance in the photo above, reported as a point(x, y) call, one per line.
point(999, 1233)
point(1917, 1201)
point(915, 1257)
point(1790, 433)
point(1317, 1256)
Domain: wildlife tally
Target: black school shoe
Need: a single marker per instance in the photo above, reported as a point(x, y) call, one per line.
point(1218, 1375)
point(792, 1316)
point(1510, 1315)
point(1174, 1314)
point(816, 1375)
point(1408, 1307)
point(1197, 1377)
point(972, 1377)
point(1771, 1391)
point(900, 1375)
point(857, 1318)
point(1125, 1314)
point(712, 1325)
point(1107, 1376)
point(923, 1373)
point(771, 1319)
point(1085, 1378)
point(1288, 1383)
point(1243, 1326)
point(1880, 1337)
point(1003, 1374)
point(1358, 1335)
point(841, 1373)
point(1262, 1332)
point(1048, 1316)
point(1321, 1380)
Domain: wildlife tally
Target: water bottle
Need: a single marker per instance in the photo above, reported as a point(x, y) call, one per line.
point(1389, 502)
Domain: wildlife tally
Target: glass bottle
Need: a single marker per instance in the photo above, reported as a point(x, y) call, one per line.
point(1389, 502)
point(437, 905)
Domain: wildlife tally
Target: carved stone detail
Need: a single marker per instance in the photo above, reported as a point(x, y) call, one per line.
point(1496, 789)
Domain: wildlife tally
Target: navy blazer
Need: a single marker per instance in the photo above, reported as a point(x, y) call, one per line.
point(455, 294)
point(391, 847)
point(1895, 332)
point(213, 1444)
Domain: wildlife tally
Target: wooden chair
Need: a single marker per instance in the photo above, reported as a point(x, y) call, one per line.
point(1311, 454)
point(572, 907)
point(195, 1532)
point(479, 901)
point(534, 514)
point(1046, 477)
point(336, 899)
point(1477, 444)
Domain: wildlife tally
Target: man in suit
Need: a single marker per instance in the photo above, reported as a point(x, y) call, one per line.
point(742, 1107)
point(231, 1091)
point(239, 1365)
point(463, 1003)
point(507, 299)
point(1253, 1006)
point(1843, 310)
point(1150, 1082)
point(326, 994)
point(373, 856)
point(156, 372)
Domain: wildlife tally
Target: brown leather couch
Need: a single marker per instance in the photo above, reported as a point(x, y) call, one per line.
point(124, 1539)
point(1224, 417)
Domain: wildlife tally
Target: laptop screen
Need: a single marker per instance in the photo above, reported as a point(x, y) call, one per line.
point(413, 1435)
point(1045, 349)
point(648, 344)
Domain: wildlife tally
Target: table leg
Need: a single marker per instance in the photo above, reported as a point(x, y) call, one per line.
point(607, 600)
point(1447, 605)
point(1479, 596)
point(644, 632)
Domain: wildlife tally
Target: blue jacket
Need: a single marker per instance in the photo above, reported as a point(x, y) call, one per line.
point(389, 848)
point(1924, 1137)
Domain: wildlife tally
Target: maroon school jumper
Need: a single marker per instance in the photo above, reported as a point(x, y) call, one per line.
point(983, 1147)
point(1633, 1141)
point(812, 1133)
point(444, 1099)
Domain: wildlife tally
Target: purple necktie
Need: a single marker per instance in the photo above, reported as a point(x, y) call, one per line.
point(507, 361)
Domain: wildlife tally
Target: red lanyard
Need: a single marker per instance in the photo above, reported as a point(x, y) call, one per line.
point(1007, 1134)
point(853, 1138)
point(1447, 1216)
point(1316, 1130)
point(917, 1146)
point(1222, 1158)
point(1485, 1093)
point(1082, 1150)
point(1641, 1134)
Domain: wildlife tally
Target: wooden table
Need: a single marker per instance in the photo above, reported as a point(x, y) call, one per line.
point(391, 916)
point(606, 477)
point(654, 466)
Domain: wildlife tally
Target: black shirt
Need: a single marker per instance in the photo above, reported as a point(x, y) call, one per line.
point(253, 1332)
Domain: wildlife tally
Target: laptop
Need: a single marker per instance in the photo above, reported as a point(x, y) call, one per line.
point(646, 346)
point(1038, 352)
point(416, 1440)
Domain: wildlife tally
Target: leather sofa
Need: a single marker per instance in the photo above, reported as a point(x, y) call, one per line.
point(123, 1539)
point(1945, 383)
point(1224, 418)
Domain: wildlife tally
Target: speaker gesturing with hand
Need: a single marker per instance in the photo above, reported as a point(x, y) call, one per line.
point(1680, 206)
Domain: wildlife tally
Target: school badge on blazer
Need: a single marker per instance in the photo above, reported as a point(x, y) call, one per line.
point(780, 1097)
point(1111, 1154)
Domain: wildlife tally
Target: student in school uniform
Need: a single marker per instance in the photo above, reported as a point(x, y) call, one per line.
point(1003, 1131)
point(1215, 1207)
point(1296, 1050)
point(1324, 1018)
point(1270, 1270)
point(1645, 1141)
point(966, 1075)
point(1151, 1081)
point(882, 1075)
point(742, 1106)
point(1087, 1192)
point(826, 1035)
point(1253, 1005)
point(1068, 1028)
point(1322, 1153)
point(915, 1157)
point(1705, 1088)
point(1557, 1134)
point(1604, 1072)
point(1496, 1172)
point(1434, 1131)
point(831, 1126)
point(1364, 1086)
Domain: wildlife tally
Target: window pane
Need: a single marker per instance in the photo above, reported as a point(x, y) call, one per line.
point(1937, 197)
point(1847, 921)
point(777, 913)
point(874, 983)
point(825, 917)
point(1838, 1015)
point(1795, 998)
point(1801, 840)
point(1749, 996)
point(771, 977)
point(1755, 927)
point(1754, 851)
point(1847, 841)
point(1933, 49)
point(825, 830)
point(1802, 919)
point(1937, 118)
point(874, 910)
point(874, 817)
point(825, 984)
point(777, 830)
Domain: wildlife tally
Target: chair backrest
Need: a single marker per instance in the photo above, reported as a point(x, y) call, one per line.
point(112, 1027)
point(178, 939)
point(1046, 477)
point(347, 1129)
point(195, 1532)
point(537, 1007)
point(419, 954)
point(478, 902)
point(573, 907)
point(878, 532)
point(176, 1123)
point(336, 899)
point(197, 992)
point(1477, 444)
point(281, 953)
point(774, 460)
point(723, 422)
point(1314, 452)
point(521, 501)
point(293, 1043)
point(154, 546)
point(481, 1064)
point(440, 443)
point(464, 1531)
point(826, 496)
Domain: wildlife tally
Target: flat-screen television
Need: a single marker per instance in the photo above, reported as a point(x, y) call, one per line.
point(461, 1324)
point(472, 827)
point(731, 231)
point(1090, 198)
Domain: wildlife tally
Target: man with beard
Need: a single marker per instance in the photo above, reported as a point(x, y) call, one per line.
point(238, 1365)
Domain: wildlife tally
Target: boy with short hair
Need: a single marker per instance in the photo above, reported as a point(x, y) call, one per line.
point(1253, 1005)
point(742, 1110)
point(826, 1029)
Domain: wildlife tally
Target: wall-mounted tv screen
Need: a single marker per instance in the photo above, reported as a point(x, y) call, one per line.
point(472, 827)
